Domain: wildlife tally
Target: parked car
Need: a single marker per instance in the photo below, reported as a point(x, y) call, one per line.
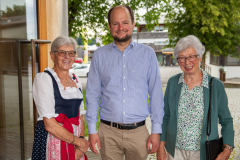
point(78, 60)
point(75, 65)
point(81, 70)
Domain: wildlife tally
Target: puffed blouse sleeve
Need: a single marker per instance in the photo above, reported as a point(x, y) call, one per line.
point(43, 96)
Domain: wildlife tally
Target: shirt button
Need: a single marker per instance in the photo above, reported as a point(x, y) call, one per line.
point(124, 55)
point(124, 89)
point(123, 65)
point(124, 77)
point(123, 112)
point(123, 100)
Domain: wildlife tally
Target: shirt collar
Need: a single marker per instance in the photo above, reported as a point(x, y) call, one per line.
point(132, 43)
point(204, 80)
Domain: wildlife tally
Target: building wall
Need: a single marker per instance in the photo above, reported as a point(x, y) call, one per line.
point(53, 22)
point(157, 40)
point(232, 71)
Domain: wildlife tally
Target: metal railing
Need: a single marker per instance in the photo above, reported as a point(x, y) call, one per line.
point(33, 54)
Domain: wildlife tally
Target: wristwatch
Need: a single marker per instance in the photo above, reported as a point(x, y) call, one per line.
point(228, 147)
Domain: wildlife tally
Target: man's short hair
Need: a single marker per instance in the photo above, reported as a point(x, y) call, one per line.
point(125, 6)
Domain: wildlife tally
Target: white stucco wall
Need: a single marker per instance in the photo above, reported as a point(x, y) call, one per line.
point(232, 71)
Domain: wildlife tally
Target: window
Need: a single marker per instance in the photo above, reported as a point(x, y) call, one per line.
point(161, 42)
point(213, 59)
point(232, 61)
point(80, 67)
point(144, 29)
point(161, 28)
point(135, 29)
point(156, 28)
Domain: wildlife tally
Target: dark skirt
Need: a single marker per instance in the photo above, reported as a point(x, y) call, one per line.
point(40, 142)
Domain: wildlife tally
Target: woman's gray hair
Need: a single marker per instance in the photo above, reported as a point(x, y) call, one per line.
point(63, 41)
point(189, 41)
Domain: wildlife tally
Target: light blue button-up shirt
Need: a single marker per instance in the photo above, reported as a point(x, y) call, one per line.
point(122, 82)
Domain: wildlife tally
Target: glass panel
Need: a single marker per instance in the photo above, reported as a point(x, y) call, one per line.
point(135, 29)
point(13, 19)
point(160, 58)
point(233, 61)
point(161, 28)
point(27, 98)
point(156, 28)
point(144, 29)
point(18, 21)
point(213, 59)
point(10, 147)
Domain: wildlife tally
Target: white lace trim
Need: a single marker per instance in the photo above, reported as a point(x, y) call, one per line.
point(67, 89)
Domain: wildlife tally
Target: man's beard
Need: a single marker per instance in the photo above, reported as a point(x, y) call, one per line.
point(123, 39)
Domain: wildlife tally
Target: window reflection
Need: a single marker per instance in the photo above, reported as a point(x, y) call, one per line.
point(18, 22)
point(13, 19)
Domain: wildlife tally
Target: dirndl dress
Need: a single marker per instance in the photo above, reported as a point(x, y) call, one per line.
point(46, 146)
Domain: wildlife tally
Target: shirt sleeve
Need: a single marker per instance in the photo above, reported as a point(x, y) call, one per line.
point(155, 95)
point(93, 94)
point(225, 118)
point(43, 95)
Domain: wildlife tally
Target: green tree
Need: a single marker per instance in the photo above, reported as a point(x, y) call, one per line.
point(92, 14)
point(91, 41)
point(214, 22)
point(16, 10)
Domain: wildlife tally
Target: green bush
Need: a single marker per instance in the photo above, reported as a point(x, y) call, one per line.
point(86, 126)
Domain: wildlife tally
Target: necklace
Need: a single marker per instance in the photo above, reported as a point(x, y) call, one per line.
point(67, 82)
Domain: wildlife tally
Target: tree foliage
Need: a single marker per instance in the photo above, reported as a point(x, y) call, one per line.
point(16, 10)
point(92, 15)
point(215, 22)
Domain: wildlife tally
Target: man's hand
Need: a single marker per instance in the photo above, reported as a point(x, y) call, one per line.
point(78, 153)
point(93, 139)
point(153, 139)
point(224, 155)
point(161, 153)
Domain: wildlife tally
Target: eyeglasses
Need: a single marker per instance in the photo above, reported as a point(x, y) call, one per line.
point(63, 53)
point(190, 58)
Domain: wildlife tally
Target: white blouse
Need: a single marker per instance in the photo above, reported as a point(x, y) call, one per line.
point(43, 93)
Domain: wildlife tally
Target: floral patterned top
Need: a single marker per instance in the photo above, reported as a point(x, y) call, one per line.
point(190, 115)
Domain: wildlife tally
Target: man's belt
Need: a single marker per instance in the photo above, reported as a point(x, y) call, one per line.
point(124, 126)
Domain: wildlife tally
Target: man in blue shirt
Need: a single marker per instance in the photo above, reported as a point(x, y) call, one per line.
point(122, 76)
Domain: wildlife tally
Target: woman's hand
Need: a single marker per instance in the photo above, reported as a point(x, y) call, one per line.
point(83, 145)
point(78, 153)
point(224, 155)
point(161, 153)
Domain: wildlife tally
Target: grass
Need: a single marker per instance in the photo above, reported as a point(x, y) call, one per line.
point(98, 122)
point(86, 126)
